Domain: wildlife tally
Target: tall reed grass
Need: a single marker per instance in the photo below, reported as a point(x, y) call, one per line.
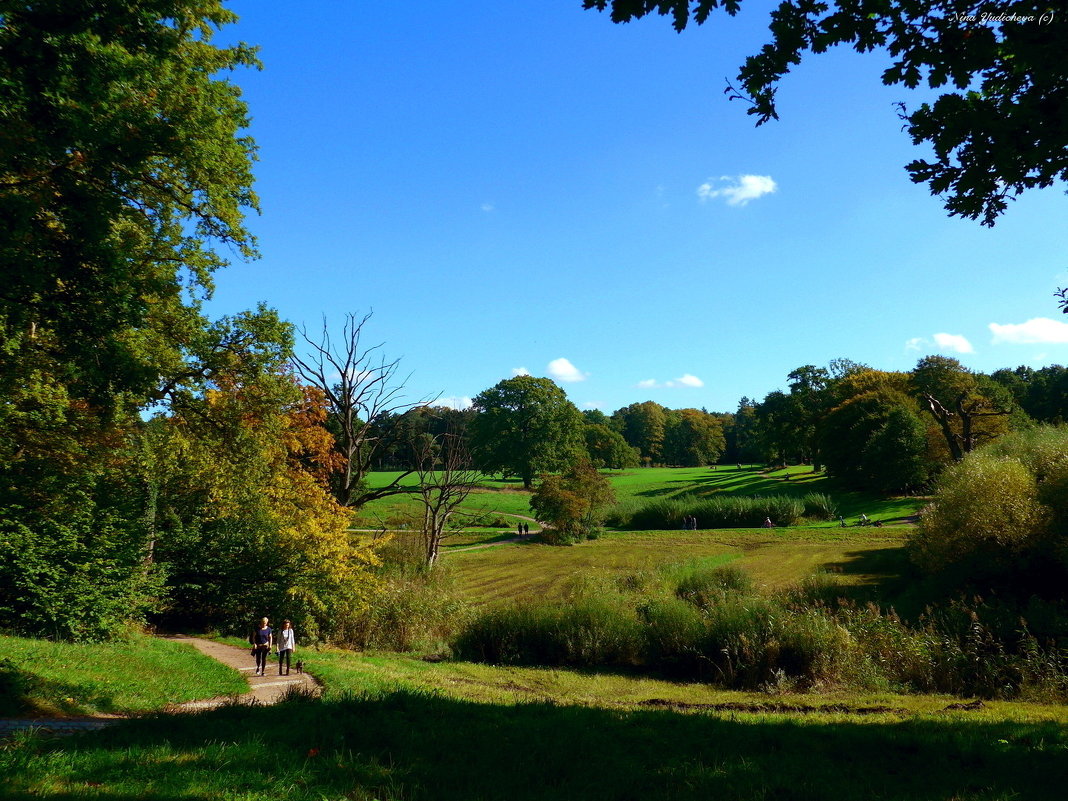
point(729, 511)
point(708, 624)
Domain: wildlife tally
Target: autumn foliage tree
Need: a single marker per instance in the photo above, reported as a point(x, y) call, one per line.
point(572, 504)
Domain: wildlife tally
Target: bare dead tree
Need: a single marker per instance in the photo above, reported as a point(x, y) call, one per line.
point(362, 391)
point(446, 478)
point(968, 410)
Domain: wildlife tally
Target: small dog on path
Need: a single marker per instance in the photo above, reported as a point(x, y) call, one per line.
point(300, 666)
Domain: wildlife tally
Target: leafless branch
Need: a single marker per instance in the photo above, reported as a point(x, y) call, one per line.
point(361, 389)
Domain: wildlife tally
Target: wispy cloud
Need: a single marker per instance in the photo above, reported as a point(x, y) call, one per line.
point(487, 207)
point(683, 381)
point(1040, 330)
point(942, 342)
point(563, 370)
point(953, 342)
point(737, 191)
point(518, 371)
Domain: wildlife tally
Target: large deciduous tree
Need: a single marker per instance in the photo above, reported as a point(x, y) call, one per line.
point(693, 438)
point(643, 426)
point(124, 176)
point(998, 127)
point(969, 408)
point(526, 426)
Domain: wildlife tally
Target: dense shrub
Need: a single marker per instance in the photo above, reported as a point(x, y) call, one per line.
point(705, 586)
point(705, 624)
point(586, 633)
point(75, 580)
point(411, 611)
point(819, 506)
point(986, 512)
point(732, 511)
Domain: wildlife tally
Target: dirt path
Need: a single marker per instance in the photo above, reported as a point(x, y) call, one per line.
point(262, 689)
point(517, 538)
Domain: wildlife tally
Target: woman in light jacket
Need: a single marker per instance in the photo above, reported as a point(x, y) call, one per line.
point(287, 643)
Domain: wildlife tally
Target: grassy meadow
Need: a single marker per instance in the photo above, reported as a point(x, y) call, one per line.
point(400, 727)
point(132, 674)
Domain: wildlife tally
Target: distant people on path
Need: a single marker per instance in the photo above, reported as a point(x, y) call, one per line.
point(519, 529)
point(287, 643)
point(689, 523)
point(768, 523)
point(841, 522)
point(863, 519)
point(262, 641)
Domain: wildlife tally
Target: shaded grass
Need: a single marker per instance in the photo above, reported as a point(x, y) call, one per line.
point(410, 743)
point(133, 674)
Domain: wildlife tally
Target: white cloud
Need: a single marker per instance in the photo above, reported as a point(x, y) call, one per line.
point(455, 402)
point(743, 189)
point(916, 343)
point(686, 380)
point(593, 405)
point(1040, 330)
point(563, 370)
point(488, 207)
point(518, 371)
point(953, 342)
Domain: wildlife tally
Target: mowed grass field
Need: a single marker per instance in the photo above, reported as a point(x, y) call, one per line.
point(857, 556)
point(495, 496)
point(775, 558)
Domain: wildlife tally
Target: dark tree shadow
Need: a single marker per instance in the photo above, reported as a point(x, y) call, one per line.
point(410, 745)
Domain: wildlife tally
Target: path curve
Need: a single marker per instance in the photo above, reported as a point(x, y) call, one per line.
point(262, 690)
point(516, 538)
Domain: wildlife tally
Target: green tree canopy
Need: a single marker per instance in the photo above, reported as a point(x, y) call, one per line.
point(123, 179)
point(999, 126)
point(693, 438)
point(526, 426)
point(643, 426)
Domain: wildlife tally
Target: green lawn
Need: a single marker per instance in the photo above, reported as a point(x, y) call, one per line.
point(775, 558)
point(133, 674)
point(399, 729)
point(647, 484)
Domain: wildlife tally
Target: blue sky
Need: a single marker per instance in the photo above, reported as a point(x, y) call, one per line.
point(526, 186)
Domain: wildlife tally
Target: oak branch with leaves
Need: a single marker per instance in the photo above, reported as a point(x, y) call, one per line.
point(999, 127)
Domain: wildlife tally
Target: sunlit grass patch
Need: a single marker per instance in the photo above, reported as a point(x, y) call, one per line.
point(133, 674)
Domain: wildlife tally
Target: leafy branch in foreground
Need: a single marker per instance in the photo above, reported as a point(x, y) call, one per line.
point(999, 128)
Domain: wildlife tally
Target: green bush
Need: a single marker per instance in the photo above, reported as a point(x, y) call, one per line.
point(412, 611)
point(986, 513)
point(585, 634)
point(705, 586)
point(819, 506)
point(673, 631)
point(732, 511)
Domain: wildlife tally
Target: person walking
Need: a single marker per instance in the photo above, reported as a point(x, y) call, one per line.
point(262, 640)
point(287, 643)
